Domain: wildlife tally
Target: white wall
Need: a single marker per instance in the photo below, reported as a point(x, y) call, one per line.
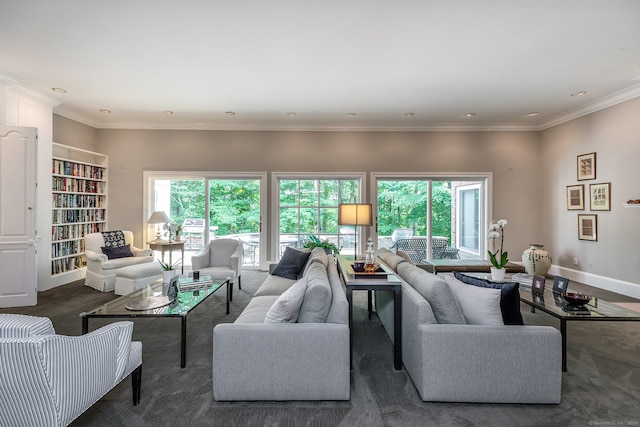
point(613, 262)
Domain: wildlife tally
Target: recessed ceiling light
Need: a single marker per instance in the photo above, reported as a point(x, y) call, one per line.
point(59, 90)
point(230, 113)
point(105, 110)
point(470, 114)
point(168, 112)
point(409, 114)
point(582, 92)
point(532, 114)
point(291, 114)
point(351, 114)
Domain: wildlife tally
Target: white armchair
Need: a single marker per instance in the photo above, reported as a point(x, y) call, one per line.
point(49, 379)
point(101, 271)
point(221, 258)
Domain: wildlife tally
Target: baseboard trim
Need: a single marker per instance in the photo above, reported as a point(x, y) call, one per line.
point(606, 283)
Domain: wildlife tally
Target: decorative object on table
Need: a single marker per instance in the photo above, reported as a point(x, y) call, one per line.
point(536, 260)
point(588, 227)
point(576, 299)
point(370, 258)
point(196, 275)
point(316, 242)
point(173, 230)
point(600, 196)
point(358, 266)
point(537, 285)
point(575, 197)
point(586, 166)
point(560, 284)
point(172, 289)
point(169, 270)
point(358, 215)
point(499, 258)
point(157, 218)
point(148, 303)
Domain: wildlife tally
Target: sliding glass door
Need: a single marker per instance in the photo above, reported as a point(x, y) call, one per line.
point(209, 208)
point(430, 217)
point(308, 206)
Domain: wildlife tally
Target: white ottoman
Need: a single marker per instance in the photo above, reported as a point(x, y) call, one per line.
point(134, 277)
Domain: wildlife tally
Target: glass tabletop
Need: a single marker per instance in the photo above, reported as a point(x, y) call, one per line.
point(183, 304)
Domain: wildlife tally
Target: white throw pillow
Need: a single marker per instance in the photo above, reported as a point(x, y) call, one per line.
point(287, 306)
point(480, 306)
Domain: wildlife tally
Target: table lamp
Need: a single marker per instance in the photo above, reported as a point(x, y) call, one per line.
point(158, 217)
point(356, 214)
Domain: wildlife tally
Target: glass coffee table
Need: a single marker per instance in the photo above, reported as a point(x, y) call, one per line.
point(184, 303)
point(596, 310)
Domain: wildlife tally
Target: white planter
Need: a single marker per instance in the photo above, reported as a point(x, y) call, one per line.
point(167, 275)
point(536, 260)
point(497, 274)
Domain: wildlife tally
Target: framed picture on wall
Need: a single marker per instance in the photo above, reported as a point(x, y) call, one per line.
point(575, 197)
point(588, 227)
point(586, 166)
point(600, 196)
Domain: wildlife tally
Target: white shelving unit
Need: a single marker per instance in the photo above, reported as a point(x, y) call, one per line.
point(79, 206)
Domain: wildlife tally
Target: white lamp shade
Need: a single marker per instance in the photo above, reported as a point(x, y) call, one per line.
point(158, 217)
point(355, 214)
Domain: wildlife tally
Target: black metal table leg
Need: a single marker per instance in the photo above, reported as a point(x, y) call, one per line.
point(350, 303)
point(397, 328)
point(563, 332)
point(183, 343)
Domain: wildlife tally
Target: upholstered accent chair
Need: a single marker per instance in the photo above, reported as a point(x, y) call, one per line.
point(49, 380)
point(222, 258)
point(101, 271)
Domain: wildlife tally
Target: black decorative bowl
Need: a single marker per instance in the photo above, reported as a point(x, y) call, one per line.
point(576, 299)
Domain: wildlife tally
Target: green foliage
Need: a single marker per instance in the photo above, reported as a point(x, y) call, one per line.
point(167, 267)
point(316, 242)
point(404, 204)
point(504, 259)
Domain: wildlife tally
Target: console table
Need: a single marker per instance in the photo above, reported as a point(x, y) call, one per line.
point(436, 266)
point(165, 245)
point(354, 281)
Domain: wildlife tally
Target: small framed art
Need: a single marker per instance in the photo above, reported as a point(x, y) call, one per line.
point(586, 166)
point(560, 284)
point(588, 227)
point(600, 196)
point(537, 285)
point(575, 197)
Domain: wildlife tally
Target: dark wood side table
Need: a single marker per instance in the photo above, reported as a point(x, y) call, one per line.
point(166, 245)
point(360, 282)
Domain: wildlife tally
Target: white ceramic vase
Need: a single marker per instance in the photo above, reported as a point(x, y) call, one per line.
point(497, 274)
point(536, 260)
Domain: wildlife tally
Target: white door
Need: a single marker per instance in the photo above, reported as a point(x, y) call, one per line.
point(18, 285)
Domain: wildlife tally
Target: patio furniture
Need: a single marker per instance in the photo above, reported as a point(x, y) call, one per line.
point(416, 248)
point(401, 233)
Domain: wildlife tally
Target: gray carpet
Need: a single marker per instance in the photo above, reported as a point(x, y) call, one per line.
point(602, 386)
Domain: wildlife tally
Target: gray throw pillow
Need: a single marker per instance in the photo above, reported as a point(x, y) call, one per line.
point(317, 297)
point(436, 291)
point(291, 264)
point(287, 307)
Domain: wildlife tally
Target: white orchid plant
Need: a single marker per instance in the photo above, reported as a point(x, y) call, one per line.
point(498, 258)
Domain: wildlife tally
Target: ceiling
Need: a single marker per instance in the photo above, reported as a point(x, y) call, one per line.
point(323, 65)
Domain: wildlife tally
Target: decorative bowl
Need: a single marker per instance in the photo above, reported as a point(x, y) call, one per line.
point(576, 299)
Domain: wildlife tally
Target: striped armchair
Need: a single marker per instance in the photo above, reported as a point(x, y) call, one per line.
point(49, 380)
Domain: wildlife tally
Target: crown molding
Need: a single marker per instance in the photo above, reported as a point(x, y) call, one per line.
point(592, 107)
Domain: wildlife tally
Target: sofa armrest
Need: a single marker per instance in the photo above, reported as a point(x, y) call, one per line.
point(95, 256)
point(200, 260)
point(141, 252)
point(506, 364)
point(307, 361)
point(237, 259)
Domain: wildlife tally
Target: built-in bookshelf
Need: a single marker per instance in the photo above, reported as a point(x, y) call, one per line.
point(79, 206)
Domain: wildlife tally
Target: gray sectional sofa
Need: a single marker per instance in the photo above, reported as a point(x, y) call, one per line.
point(458, 362)
point(255, 359)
